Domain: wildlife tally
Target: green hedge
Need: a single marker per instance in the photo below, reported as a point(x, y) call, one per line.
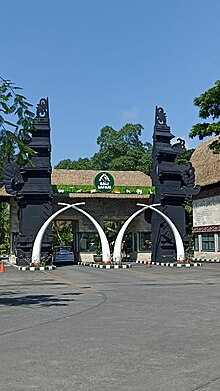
point(91, 189)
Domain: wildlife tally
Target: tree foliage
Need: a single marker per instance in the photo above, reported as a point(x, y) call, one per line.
point(16, 123)
point(209, 108)
point(185, 157)
point(118, 150)
point(4, 226)
point(62, 232)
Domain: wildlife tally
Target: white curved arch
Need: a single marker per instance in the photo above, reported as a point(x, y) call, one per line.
point(106, 257)
point(38, 240)
point(178, 240)
point(118, 241)
point(180, 252)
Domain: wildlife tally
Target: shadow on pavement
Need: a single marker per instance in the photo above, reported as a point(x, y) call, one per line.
point(37, 300)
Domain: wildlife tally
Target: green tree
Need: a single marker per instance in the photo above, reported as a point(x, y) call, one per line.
point(80, 164)
point(16, 123)
point(118, 150)
point(62, 232)
point(185, 157)
point(4, 226)
point(209, 108)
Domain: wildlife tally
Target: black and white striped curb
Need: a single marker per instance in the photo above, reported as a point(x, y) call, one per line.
point(105, 266)
point(206, 260)
point(193, 264)
point(34, 268)
point(170, 264)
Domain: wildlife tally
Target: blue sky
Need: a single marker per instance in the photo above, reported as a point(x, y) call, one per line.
point(110, 62)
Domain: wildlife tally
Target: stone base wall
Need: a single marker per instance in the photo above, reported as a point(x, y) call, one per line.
point(207, 255)
point(143, 256)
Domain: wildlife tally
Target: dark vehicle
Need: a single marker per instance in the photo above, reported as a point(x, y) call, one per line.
point(63, 255)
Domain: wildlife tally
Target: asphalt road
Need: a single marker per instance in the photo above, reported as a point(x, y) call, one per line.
point(85, 329)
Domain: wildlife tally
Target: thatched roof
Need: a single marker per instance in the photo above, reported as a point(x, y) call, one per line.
point(86, 177)
point(206, 164)
point(83, 196)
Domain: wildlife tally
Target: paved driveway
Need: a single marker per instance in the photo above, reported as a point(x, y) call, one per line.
point(86, 329)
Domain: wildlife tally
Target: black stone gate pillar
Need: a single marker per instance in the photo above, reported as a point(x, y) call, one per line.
point(174, 185)
point(31, 187)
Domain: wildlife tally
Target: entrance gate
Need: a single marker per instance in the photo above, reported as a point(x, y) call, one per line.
point(106, 257)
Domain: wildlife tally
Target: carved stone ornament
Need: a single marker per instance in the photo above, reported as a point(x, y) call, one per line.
point(179, 147)
point(12, 178)
point(160, 118)
point(42, 109)
point(188, 177)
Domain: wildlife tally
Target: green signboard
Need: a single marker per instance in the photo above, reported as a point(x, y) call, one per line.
point(104, 182)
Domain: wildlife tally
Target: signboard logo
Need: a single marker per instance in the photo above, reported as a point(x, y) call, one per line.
point(104, 182)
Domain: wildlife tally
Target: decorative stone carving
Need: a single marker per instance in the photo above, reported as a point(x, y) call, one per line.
point(42, 109)
point(13, 179)
point(175, 184)
point(31, 187)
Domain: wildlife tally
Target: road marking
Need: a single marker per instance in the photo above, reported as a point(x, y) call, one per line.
point(171, 278)
point(71, 282)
